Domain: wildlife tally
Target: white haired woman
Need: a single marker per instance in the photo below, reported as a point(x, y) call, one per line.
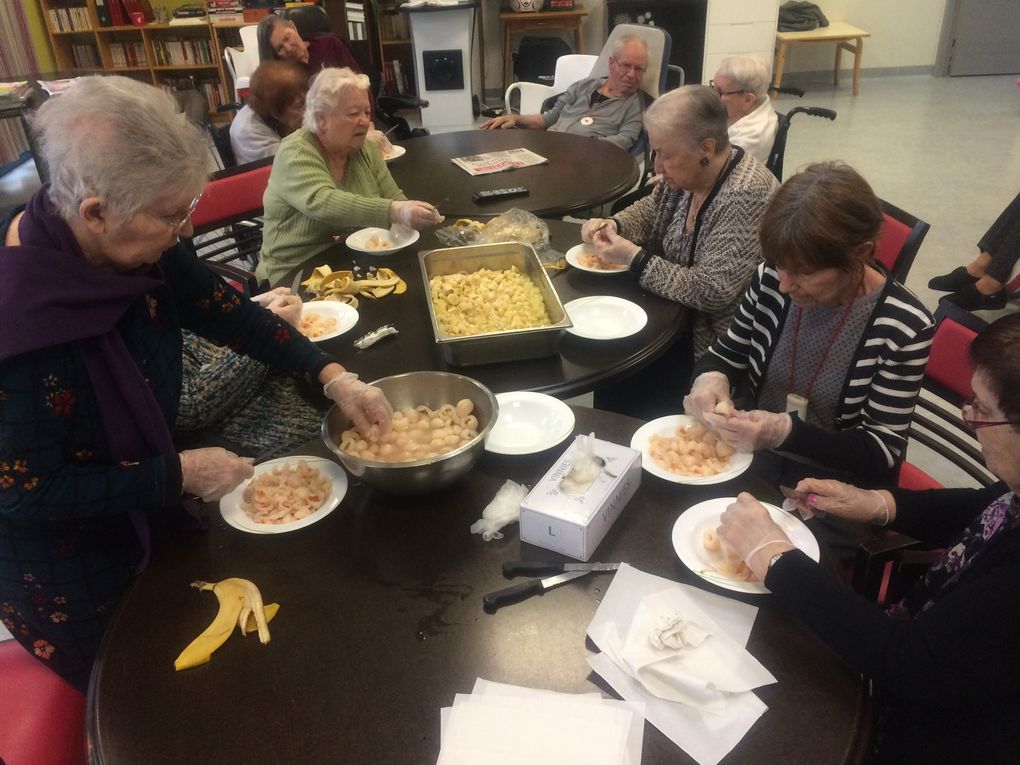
point(324, 179)
point(95, 289)
point(742, 83)
point(693, 240)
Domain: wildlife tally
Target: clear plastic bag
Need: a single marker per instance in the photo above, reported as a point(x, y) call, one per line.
point(514, 225)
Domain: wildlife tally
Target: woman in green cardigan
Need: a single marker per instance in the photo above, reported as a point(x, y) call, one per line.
point(325, 179)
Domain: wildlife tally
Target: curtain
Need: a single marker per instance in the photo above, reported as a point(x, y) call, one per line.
point(17, 58)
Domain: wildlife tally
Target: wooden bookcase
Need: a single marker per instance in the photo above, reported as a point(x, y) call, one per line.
point(173, 56)
point(391, 30)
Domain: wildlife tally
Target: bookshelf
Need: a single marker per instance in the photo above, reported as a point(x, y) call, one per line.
point(396, 53)
point(86, 40)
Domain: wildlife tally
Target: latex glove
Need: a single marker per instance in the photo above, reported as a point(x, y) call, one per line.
point(379, 138)
point(212, 472)
point(710, 394)
point(753, 430)
point(845, 501)
point(282, 302)
point(594, 230)
point(365, 404)
point(749, 531)
point(414, 214)
point(613, 248)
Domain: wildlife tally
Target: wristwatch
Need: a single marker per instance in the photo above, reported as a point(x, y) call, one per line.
point(776, 557)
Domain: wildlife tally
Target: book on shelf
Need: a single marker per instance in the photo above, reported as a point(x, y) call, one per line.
point(102, 13)
point(70, 19)
point(117, 16)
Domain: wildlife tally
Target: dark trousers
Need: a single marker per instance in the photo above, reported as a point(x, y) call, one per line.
point(1002, 242)
point(656, 390)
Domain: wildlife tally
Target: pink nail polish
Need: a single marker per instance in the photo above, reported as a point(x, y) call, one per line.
point(812, 499)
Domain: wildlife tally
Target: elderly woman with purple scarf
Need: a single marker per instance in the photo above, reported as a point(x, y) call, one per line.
point(946, 659)
point(95, 289)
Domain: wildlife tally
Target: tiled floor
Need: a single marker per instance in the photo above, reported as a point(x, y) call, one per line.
point(945, 149)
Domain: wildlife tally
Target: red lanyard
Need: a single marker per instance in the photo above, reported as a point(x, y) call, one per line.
point(821, 361)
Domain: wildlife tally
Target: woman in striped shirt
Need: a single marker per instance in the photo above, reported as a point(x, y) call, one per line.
point(825, 349)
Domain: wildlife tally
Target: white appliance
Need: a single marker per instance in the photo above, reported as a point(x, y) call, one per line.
point(441, 34)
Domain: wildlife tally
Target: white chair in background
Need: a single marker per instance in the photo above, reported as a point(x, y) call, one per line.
point(241, 63)
point(569, 69)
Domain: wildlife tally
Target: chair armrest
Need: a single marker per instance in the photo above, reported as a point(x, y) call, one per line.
point(533, 96)
point(393, 103)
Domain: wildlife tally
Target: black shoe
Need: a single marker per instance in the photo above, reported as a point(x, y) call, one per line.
point(955, 280)
point(969, 299)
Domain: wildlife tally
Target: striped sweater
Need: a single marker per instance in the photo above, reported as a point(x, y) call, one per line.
point(878, 396)
point(304, 206)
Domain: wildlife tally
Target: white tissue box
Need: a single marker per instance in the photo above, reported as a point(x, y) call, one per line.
point(574, 525)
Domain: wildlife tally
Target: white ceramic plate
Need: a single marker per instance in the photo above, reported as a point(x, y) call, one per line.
point(359, 240)
point(398, 151)
point(230, 505)
point(602, 317)
point(666, 426)
point(573, 258)
point(346, 316)
point(698, 518)
point(528, 423)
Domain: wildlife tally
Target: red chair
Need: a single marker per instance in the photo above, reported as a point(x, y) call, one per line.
point(901, 238)
point(887, 566)
point(232, 204)
point(42, 718)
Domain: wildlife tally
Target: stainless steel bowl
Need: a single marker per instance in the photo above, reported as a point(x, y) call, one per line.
point(409, 390)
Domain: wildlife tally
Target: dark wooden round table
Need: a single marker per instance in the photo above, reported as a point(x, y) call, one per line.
point(381, 624)
point(581, 172)
point(579, 365)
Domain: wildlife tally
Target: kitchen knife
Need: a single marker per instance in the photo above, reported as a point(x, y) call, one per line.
point(296, 284)
point(539, 568)
point(515, 594)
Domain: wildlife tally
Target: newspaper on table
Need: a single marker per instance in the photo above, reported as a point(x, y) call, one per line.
point(498, 161)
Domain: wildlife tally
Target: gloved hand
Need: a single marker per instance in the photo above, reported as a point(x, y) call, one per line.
point(845, 501)
point(379, 138)
point(212, 472)
point(613, 248)
point(594, 230)
point(749, 531)
point(365, 404)
point(753, 430)
point(710, 394)
point(414, 214)
point(282, 302)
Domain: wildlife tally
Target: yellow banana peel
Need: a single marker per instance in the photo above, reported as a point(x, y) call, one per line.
point(240, 605)
point(327, 284)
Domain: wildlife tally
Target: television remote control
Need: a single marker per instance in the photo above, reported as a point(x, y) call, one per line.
point(492, 194)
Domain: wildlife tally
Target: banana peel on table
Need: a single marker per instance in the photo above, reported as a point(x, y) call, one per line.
point(344, 286)
point(240, 605)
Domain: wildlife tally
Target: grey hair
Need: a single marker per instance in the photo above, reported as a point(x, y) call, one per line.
point(624, 40)
point(689, 115)
point(327, 89)
point(264, 31)
point(121, 140)
point(748, 73)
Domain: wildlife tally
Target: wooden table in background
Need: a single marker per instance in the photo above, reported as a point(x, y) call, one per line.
point(541, 21)
point(845, 36)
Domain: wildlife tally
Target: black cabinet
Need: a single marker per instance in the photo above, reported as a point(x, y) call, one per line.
point(683, 19)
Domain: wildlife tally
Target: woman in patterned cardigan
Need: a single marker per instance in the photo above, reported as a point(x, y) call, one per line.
point(95, 289)
point(694, 239)
point(827, 349)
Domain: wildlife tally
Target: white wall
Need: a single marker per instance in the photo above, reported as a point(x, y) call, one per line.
point(903, 33)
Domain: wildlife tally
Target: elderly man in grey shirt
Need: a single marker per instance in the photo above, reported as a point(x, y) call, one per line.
point(609, 108)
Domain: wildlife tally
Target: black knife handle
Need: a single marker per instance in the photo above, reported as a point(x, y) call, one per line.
point(515, 594)
point(530, 568)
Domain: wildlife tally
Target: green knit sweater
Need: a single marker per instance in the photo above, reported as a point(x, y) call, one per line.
point(304, 206)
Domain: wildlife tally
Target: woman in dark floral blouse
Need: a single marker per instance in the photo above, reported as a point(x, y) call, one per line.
point(94, 290)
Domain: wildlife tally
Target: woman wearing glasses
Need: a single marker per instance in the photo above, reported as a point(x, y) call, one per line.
point(946, 657)
point(94, 290)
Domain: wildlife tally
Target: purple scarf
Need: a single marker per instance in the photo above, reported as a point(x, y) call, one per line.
point(995, 520)
point(53, 295)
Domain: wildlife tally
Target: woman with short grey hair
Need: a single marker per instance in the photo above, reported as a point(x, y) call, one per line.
point(95, 288)
point(693, 240)
point(325, 179)
point(742, 83)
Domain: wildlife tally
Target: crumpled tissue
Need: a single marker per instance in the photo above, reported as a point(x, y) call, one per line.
point(504, 508)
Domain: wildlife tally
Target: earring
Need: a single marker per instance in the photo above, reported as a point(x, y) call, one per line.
point(703, 161)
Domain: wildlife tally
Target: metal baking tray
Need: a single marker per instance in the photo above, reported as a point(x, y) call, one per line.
point(489, 347)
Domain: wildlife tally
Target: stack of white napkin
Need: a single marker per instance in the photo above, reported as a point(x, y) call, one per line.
point(681, 651)
point(509, 725)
